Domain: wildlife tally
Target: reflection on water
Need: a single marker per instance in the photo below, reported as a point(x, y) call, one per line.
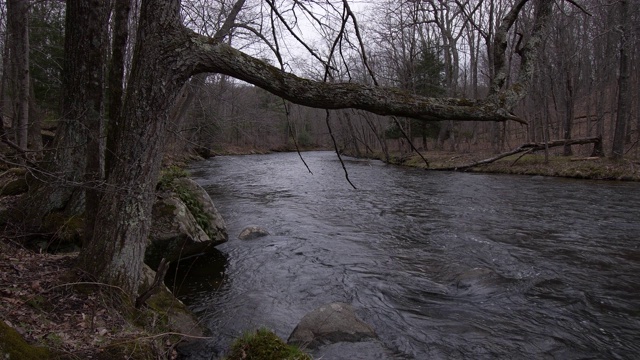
point(443, 265)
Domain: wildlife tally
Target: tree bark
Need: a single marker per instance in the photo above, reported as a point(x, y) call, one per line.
point(35, 122)
point(18, 28)
point(77, 155)
point(159, 70)
point(624, 94)
point(120, 34)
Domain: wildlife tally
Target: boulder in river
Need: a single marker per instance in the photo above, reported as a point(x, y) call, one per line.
point(252, 232)
point(184, 223)
point(479, 281)
point(329, 324)
point(209, 218)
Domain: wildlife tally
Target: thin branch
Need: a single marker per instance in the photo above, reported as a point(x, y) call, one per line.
point(409, 140)
point(335, 146)
point(572, 2)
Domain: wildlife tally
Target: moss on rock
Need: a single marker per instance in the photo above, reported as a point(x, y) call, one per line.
point(263, 344)
point(13, 346)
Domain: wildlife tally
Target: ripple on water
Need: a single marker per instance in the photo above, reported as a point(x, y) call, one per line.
point(443, 265)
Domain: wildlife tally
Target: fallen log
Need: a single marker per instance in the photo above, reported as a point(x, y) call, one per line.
point(527, 148)
point(589, 158)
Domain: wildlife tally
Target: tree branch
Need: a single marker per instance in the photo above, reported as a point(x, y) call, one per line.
point(209, 56)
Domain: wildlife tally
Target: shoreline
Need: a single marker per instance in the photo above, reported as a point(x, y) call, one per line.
point(571, 167)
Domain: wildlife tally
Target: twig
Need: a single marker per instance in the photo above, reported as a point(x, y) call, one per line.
point(522, 155)
point(155, 286)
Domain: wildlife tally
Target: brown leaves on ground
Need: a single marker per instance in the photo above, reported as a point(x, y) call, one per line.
point(42, 299)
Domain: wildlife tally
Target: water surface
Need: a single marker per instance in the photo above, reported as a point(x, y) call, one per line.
point(442, 265)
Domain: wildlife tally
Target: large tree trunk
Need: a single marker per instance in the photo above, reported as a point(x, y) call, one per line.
point(120, 35)
point(82, 115)
point(115, 253)
point(18, 29)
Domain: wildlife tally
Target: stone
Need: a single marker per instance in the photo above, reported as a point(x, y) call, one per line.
point(252, 232)
point(216, 229)
point(185, 222)
point(174, 234)
point(329, 324)
point(365, 350)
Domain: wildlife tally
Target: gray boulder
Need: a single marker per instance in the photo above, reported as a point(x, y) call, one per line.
point(365, 350)
point(216, 227)
point(252, 232)
point(329, 324)
point(178, 230)
point(174, 233)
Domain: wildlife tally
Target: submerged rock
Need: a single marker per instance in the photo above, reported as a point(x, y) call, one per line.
point(252, 232)
point(365, 350)
point(329, 324)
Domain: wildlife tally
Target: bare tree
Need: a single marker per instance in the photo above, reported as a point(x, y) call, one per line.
point(624, 91)
point(18, 58)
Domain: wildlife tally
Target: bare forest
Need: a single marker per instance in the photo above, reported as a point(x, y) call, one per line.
point(95, 94)
point(433, 48)
point(98, 97)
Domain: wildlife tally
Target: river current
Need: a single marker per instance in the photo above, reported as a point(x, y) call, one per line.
point(442, 265)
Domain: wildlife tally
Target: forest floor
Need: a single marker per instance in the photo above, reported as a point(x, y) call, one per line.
point(50, 311)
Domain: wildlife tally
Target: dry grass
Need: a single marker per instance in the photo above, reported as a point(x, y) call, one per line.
point(533, 164)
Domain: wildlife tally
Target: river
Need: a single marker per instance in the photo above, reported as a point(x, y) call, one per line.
point(443, 265)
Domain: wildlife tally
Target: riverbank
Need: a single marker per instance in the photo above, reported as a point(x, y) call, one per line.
point(51, 310)
point(577, 167)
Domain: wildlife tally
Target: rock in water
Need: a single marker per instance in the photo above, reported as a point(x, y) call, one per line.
point(333, 323)
point(174, 232)
point(216, 227)
point(252, 232)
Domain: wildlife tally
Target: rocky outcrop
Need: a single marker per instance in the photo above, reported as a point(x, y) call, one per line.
point(184, 223)
point(329, 324)
point(252, 232)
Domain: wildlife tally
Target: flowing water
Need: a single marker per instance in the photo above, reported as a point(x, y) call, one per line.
point(442, 265)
